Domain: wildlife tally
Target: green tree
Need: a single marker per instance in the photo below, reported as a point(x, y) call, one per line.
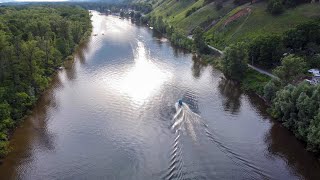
point(199, 42)
point(234, 64)
point(33, 42)
point(160, 25)
point(275, 7)
point(266, 51)
point(270, 89)
point(314, 133)
point(297, 107)
point(291, 68)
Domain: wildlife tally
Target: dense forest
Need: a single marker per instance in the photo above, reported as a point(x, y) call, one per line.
point(34, 42)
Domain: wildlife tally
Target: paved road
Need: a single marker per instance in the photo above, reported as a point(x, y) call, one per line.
point(215, 49)
point(249, 65)
point(262, 71)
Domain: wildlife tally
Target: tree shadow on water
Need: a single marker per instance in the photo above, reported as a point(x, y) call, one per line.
point(81, 51)
point(33, 134)
point(283, 144)
point(231, 95)
point(197, 66)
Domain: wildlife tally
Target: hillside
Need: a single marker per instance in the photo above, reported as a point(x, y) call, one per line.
point(229, 22)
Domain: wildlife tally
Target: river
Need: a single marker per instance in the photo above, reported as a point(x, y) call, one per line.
point(110, 115)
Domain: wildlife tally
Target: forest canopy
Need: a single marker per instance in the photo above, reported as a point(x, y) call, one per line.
point(34, 41)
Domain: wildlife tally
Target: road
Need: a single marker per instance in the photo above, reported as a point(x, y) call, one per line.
point(249, 65)
point(262, 71)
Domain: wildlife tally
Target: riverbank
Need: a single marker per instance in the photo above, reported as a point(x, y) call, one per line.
point(254, 80)
point(41, 54)
point(266, 51)
point(129, 78)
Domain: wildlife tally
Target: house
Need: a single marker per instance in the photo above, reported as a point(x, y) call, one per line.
point(315, 72)
point(315, 79)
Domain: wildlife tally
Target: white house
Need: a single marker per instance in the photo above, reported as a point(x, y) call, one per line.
point(316, 76)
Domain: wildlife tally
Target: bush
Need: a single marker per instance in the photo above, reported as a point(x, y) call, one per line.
point(255, 82)
point(192, 10)
point(240, 2)
point(219, 5)
point(270, 89)
point(291, 68)
point(275, 7)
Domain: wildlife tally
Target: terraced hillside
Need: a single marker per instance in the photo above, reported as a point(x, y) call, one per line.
point(227, 23)
point(248, 21)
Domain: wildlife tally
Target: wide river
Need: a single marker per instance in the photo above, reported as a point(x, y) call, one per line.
point(110, 114)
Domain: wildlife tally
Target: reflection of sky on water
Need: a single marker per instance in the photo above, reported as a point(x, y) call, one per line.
point(141, 80)
point(144, 79)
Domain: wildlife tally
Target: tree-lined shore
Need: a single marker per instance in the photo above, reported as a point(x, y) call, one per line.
point(34, 43)
point(286, 45)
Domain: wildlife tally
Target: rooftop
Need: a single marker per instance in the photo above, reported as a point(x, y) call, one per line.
point(315, 72)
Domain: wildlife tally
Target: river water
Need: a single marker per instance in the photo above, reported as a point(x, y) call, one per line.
point(110, 114)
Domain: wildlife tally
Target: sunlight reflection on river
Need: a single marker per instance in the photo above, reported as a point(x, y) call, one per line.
point(142, 80)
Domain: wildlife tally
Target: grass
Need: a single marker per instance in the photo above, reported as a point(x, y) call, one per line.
point(182, 14)
point(260, 22)
point(171, 8)
point(174, 12)
point(255, 82)
point(208, 12)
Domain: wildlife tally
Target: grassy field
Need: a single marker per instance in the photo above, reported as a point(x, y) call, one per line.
point(255, 82)
point(174, 12)
point(206, 13)
point(257, 22)
point(260, 22)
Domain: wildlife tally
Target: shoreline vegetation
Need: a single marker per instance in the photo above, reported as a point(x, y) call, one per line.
point(279, 36)
point(35, 41)
point(288, 54)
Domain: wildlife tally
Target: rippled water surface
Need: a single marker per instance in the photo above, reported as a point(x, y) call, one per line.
point(111, 115)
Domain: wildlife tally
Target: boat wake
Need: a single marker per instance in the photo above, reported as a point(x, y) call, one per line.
point(183, 123)
point(187, 123)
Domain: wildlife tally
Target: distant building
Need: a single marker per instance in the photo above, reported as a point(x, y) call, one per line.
point(315, 72)
point(315, 79)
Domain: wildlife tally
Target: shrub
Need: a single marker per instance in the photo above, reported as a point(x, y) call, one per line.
point(291, 68)
point(192, 10)
point(219, 5)
point(275, 7)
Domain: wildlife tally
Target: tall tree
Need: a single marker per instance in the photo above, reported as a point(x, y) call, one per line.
point(234, 62)
point(292, 67)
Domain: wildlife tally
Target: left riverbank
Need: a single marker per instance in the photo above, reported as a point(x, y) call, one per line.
point(35, 41)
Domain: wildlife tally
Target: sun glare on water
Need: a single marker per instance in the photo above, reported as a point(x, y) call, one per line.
point(143, 79)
